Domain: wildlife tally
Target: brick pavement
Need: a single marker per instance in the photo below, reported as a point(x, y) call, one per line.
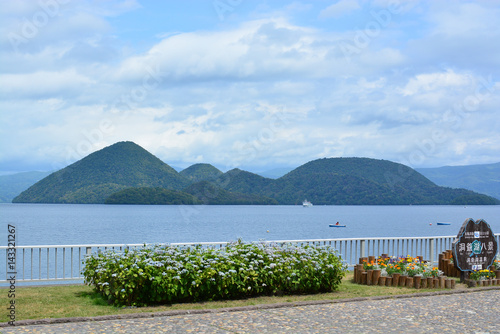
point(469, 311)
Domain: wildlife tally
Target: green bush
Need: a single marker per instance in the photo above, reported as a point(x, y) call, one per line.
point(165, 274)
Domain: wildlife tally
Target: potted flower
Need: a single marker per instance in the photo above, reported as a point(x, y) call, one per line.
point(382, 261)
point(496, 266)
point(480, 275)
point(394, 270)
point(369, 267)
point(430, 273)
point(385, 277)
point(414, 269)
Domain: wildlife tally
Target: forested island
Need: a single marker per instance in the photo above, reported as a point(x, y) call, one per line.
point(125, 173)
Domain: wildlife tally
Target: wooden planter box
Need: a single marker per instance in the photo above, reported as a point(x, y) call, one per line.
point(409, 282)
point(373, 277)
point(369, 277)
point(417, 282)
point(395, 279)
point(388, 281)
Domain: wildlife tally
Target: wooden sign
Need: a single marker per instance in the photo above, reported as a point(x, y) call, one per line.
point(475, 247)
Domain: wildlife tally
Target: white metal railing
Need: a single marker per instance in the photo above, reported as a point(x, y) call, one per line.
point(58, 263)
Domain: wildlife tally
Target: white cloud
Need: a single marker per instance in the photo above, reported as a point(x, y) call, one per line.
point(43, 84)
point(435, 81)
point(267, 91)
point(255, 49)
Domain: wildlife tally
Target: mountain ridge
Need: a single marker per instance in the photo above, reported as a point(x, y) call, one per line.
point(98, 175)
point(484, 178)
point(352, 181)
point(128, 168)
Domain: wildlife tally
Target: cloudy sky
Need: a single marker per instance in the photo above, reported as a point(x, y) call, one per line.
point(250, 84)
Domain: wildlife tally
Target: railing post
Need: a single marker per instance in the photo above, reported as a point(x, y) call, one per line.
point(48, 263)
point(362, 249)
point(432, 243)
point(89, 251)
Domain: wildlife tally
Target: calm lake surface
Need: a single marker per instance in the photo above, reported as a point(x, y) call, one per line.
point(68, 224)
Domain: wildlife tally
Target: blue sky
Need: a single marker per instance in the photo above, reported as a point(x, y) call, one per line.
point(250, 84)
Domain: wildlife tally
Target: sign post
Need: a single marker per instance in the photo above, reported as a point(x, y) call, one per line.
point(474, 248)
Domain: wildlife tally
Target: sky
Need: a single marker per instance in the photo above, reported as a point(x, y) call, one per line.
point(246, 84)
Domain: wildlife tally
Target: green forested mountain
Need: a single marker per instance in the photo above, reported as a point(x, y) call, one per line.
point(371, 181)
point(95, 177)
point(209, 193)
point(150, 195)
point(241, 181)
point(126, 173)
point(202, 192)
point(484, 179)
point(351, 181)
point(201, 172)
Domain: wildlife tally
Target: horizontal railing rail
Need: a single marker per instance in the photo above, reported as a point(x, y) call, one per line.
point(62, 263)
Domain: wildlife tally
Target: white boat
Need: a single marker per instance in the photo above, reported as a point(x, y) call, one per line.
point(306, 203)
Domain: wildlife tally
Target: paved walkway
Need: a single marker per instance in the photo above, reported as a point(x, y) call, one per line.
point(461, 312)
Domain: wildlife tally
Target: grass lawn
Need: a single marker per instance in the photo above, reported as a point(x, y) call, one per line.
point(81, 301)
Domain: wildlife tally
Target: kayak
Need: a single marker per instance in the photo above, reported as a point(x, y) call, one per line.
point(333, 225)
point(443, 223)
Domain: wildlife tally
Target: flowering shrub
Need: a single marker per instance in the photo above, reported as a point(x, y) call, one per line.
point(482, 274)
point(164, 274)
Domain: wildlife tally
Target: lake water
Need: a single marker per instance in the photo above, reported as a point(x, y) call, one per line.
point(68, 224)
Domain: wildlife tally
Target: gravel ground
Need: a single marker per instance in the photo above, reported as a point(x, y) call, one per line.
point(470, 311)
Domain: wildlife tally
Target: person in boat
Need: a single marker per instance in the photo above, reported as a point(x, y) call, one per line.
point(337, 223)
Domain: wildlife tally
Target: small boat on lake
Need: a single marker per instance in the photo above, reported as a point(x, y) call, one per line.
point(337, 225)
point(306, 203)
point(443, 223)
